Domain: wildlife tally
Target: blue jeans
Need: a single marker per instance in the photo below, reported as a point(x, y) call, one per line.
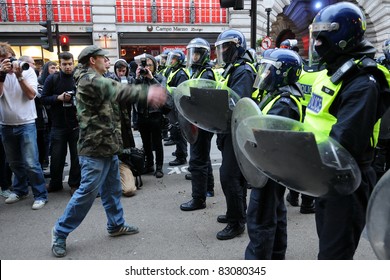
point(21, 149)
point(60, 139)
point(97, 175)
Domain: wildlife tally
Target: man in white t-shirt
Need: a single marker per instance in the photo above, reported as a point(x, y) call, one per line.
point(18, 88)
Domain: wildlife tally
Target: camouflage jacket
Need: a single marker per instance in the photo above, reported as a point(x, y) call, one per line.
point(98, 99)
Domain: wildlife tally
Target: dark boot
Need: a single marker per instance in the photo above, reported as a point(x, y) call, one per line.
point(307, 205)
point(193, 204)
point(222, 219)
point(159, 173)
point(292, 198)
point(230, 231)
point(177, 161)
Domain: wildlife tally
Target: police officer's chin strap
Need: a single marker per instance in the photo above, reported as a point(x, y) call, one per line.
point(196, 70)
point(228, 69)
point(241, 61)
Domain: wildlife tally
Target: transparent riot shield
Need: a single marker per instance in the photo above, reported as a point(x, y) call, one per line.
point(286, 151)
point(378, 218)
point(189, 130)
point(206, 104)
point(245, 108)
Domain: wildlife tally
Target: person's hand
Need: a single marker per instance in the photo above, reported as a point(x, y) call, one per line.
point(137, 73)
point(149, 74)
point(17, 69)
point(5, 65)
point(157, 96)
point(64, 97)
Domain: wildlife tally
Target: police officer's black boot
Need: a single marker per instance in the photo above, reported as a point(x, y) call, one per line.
point(193, 204)
point(307, 205)
point(292, 198)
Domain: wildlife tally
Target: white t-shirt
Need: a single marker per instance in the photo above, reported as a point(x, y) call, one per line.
point(15, 107)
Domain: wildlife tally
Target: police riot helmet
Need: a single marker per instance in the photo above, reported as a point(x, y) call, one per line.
point(230, 46)
point(175, 58)
point(288, 44)
point(164, 57)
point(198, 52)
point(164, 54)
point(386, 49)
point(278, 67)
point(337, 29)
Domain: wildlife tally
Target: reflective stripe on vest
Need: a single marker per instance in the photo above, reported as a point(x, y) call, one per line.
point(255, 94)
point(172, 74)
point(268, 107)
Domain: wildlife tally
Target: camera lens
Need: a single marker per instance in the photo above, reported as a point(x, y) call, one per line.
point(24, 65)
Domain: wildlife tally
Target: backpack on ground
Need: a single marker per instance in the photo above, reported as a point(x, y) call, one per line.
point(135, 159)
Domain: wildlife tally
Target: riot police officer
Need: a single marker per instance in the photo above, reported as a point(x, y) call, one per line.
point(266, 216)
point(239, 76)
point(202, 179)
point(346, 103)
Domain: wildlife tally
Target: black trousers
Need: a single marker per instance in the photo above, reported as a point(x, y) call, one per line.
point(200, 165)
point(340, 220)
point(233, 183)
point(267, 223)
point(150, 129)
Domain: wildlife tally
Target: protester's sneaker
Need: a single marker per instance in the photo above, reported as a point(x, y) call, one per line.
point(124, 230)
point(38, 204)
point(13, 197)
point(5, 193)
point(58, 245)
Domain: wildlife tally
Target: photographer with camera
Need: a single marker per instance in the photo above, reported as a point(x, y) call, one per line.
point(59, 92)
point(18, 88)
point(150, 119)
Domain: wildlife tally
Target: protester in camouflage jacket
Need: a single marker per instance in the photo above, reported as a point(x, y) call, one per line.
point(98, 100)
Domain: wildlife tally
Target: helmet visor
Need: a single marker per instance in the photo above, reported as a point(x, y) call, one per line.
point(265, 79)
point(195, 56)
point(226, 52)
point(172, 59)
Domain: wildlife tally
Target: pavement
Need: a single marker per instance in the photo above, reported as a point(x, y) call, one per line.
point(166, 232)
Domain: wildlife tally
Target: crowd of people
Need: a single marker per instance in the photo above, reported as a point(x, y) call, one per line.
point(91, 112)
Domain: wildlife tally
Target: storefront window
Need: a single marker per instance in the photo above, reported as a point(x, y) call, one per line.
point(42, 56)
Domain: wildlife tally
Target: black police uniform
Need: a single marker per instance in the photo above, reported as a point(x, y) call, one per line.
point(202, 178)
point(340, 220)
point(233, 183)
point(267, 213)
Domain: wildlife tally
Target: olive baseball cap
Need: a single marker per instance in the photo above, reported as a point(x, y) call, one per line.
point(91, 51)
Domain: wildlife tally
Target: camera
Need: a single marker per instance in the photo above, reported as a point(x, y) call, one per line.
point(141, 61)
point(22, 64)
point(143, 71)
point(72, 101)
